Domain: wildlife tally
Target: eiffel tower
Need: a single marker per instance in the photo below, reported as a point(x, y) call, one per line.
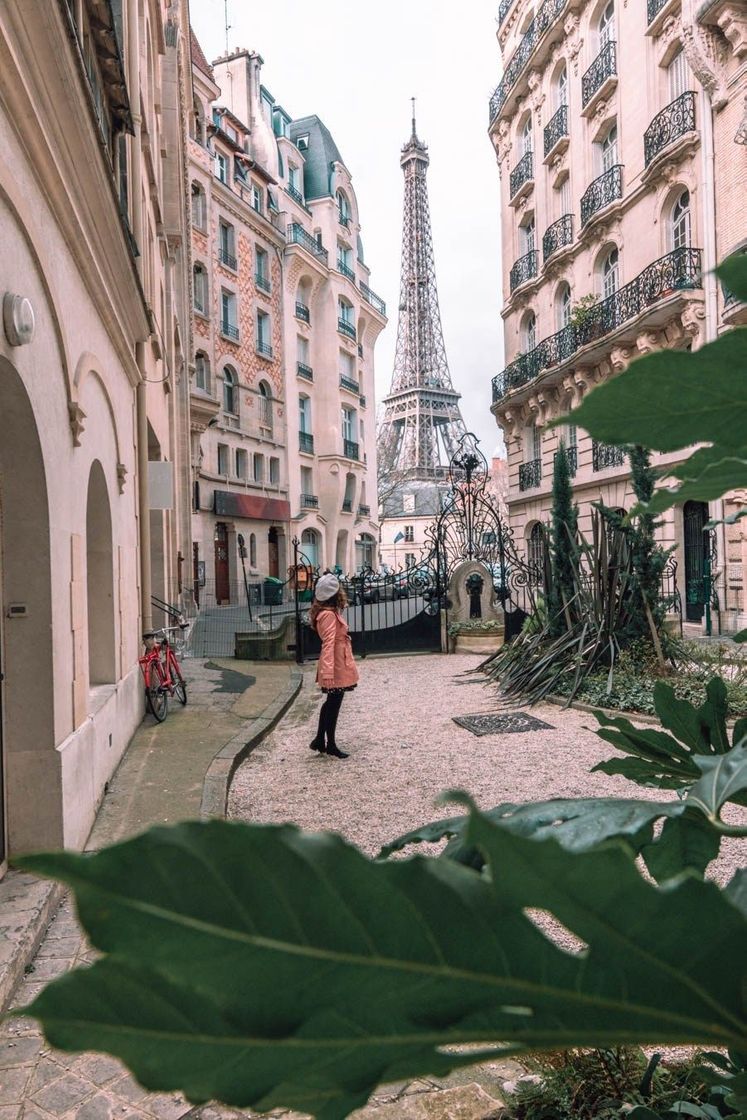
point(421, 423)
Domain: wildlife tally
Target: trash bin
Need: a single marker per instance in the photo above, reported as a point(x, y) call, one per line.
point(273, 591)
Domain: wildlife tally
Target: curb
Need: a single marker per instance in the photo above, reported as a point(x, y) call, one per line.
point(221, 770)
point(24, 949)
point(613, 713)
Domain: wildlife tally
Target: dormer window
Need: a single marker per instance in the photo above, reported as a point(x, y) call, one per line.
point(302, 143)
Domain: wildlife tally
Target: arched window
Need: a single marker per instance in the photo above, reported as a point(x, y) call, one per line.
point(310, 546)
point(680, 222)
point(102, 659)
point(536, 552)
point(265, 404)
point(202, 372)
point(200, 284)
point(529, 332)
point(525, 136)
point(678, 75)
point(343, 208)
point(610, 272)
point(198, 207)
point(230, 391)
point(607, 25)
point(561, 88)
point(563, 306)
point(252, 550)
point(608, 148)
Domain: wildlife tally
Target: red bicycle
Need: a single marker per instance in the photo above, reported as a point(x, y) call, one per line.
point(161, 672)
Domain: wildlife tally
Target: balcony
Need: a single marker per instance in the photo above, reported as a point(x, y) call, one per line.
point(599, 194)
point(654, 7)
point(676, 120)
point(370, 297)
point(344, 326)
point(345, 270)
point(606, 455)
point(522, 177)
point(557, 236)
point(530, 474)
point(679, 270)
point(263, 348)
point(349, 384)
point(304, 371)
point(364, 511)
point(297, 235)
point(556, 132)
point(295, 194)
point(302, 312)
point(306, 442)
point(601, 75)
point(524, 269)
point(547, 14)
point(571, 454)
point(262, 282)
point(226, 258)
point(350, 449)
point(229, 330)
point(309, 501)
point(503, 10)
point(347, 505)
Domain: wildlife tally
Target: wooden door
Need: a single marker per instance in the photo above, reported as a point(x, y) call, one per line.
point(222, 585)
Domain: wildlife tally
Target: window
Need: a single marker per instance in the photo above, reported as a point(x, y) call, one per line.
point(536, 442)
point(241, 460)
point(202, 372)
point(263, 334)
point(563, 306)
point(529, 333)
point(566, 204)
point(608, 148)
point(348, 423)
point(525, 136)
point(304, 414)
point(198, 206)
point(252, 550)
point(294, 179)
point(303, 350)
point(527, 235)
point(561, 88)
point(678, 75)
point(257, 198)
point(228, 314)
point(607, 26)
point(409, 559)
point(344, 258)
point(343, 210)
point(680, 222)
point(409, 534)
point(259, 467)
point(200, 285)
point(230, 391)
point(223, 452)
point(347, 366)
point(227, 244)
point(221, 167)
point(307, 480)
point(263, 270)
point(265, 404)
point(302, 143)
point(610, 273)
point(345, 311)
point(536, 552)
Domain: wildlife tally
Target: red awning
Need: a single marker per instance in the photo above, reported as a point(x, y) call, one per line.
point(253, 507)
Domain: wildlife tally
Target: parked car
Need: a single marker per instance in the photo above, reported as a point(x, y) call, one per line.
point(383, 587)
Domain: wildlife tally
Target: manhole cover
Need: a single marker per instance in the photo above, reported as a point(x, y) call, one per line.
point(484, 723)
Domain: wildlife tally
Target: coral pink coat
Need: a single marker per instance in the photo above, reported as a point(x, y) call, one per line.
point(336, 668)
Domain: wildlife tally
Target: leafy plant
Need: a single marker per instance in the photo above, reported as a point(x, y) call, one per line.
point(581, 311)
point(563, 546)
point(477, 626)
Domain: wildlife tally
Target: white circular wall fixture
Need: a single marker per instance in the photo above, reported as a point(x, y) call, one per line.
point(18, 319)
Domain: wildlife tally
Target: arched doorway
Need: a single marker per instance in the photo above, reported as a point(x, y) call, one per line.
point(273, 555)
point(697, 545)
point(29, 764)
point(222, 582)
point(310, 547)
point(102, 668)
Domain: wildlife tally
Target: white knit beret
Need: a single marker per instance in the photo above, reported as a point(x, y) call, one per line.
point(327, 587)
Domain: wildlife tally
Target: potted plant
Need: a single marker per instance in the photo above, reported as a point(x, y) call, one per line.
point(477, 635)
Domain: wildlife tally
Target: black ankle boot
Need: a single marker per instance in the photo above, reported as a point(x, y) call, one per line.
point(317, 745)
point(335, 751)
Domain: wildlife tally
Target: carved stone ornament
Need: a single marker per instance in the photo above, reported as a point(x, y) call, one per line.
point(502, 141)
point(573, 39)
point(536, 96)
point(649, 341)
point(741, 133)
point(76, 416)
point(692, 318)
point(121, 477)
point(732, 19)
point(620, 358)
point(705, 59)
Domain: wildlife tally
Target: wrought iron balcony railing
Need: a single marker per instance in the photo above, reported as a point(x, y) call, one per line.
point(545, 17)
point(604, 190)
point(654, 7)
point(602, 68)
point(347, 505)
point(530, 474)
point(346, 327)
point(309, 501)
point(306, 442)
point(226, 258)
point(503, 10)
point(302, 312)
point(297, 235)
point(522, 173)
point(349, 383)
point(672, 122)
point(556, 128)
point(557, 235)
point(262, 281)
point(229, 330)
point(343, 219)
point(304, 371)
point(364, 511)
point(371, 297)
point(295, 194)
point(605, 455)
point(263, 348)
point(346, 270)
point(571, 454)
point(524, 269)
point(679, 270)
point(350, 449)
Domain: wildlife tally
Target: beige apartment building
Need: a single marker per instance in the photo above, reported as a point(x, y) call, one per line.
point(620, 134)
point(96, 331)
point(285, 329)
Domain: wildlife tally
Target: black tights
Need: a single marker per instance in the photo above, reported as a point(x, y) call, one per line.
point(328, 714)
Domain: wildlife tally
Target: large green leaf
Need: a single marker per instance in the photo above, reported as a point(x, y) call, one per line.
point(733, 273)
point(687, 842)
point(706, 475)
point(267, 967)
point(724, 778)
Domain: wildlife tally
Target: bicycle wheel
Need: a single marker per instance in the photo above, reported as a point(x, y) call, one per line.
point(156, 696)
point(180, 685)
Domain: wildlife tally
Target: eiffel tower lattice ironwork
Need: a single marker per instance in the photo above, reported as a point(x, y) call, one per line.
point(421, 423)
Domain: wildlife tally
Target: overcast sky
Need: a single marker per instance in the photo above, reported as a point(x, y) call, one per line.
point(356, 66)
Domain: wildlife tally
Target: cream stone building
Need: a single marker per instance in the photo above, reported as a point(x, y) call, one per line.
point(307, 323)
point(94, 482)
point(620, 134)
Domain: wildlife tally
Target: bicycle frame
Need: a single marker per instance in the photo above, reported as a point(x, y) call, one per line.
point(160, 652)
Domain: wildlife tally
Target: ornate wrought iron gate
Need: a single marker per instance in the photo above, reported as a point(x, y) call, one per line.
point(699, 543)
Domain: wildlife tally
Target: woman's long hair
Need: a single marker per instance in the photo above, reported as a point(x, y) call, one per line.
point(338, 602)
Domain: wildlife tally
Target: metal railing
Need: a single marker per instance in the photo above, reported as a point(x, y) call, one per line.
point(229, 330)
point(349, 383)
point(545, 17)
point(603, 190)
point(557, 235)
point(605, 455)
point(304, 371)
point(676, 271)
point(302, 312)
point(654, 7)
point(672, 122)
point(345, 327)
point(347, 505)
point(602, 68)
point(295, 194)
point(263, 348)
point(571, 454)
point(370, 297)
point(306, 442)
point(524, 269)
point(227, 258)
point(362, 400)
point(350, 449)
point(530, 474)
point(309, 501)
point(364, 511)
point(503, 10)
point(346, 270)
point(343, 219)
point(297, 235)
point(556, 128)
point(262, 282)
point(522, 173)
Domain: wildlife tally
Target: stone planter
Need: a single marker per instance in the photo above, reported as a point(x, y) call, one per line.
point(478, 641)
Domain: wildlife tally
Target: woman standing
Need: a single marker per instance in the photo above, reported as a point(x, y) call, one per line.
point(336, 671)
